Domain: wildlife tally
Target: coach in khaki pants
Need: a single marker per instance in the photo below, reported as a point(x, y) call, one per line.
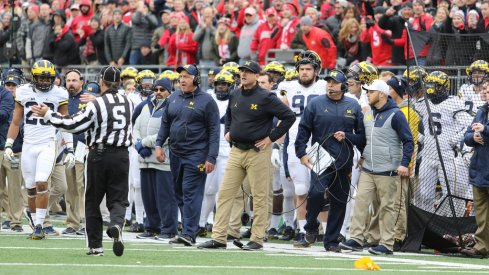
point(249, 120)
point(75, 206)
point(11, 180)
point(385, 159)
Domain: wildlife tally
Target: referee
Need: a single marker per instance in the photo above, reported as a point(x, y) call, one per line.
point(107, 121)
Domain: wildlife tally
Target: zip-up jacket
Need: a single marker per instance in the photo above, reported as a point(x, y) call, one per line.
point(389, 139)
point(191, 121)
point(250, 113)
point(75, 105)
point(478, 172)
point(322, 118)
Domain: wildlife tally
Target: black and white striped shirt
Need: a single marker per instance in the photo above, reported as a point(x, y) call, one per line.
point(105, 120)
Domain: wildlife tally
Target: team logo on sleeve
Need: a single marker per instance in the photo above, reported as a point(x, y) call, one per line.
point(201, 167)
point(254, 107)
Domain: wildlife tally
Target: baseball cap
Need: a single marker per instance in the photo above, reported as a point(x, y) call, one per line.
point(214, 71)
point(11, 78)
point(250, 10)
point(337, 76)
point(271, 11)
point(191, 69)
point(251, 66)
point(110, 74)
point(378, 85)
point(165, 83)
point(75, 7)
point(92, 87)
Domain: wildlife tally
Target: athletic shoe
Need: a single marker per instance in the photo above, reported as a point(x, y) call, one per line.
point(380, 250)
point(17, 228)
point(397, 245)
point(81, 232)
point(231, 238)
point(165, 237)
point(311, 237)
point(273, 234)
point(341, 238)
point(288, 235)
point(127, 223)
point(69, 231)
point(6, 225)
point(302, 243)
point(202, 232)
point(95, 252)
point(38, 233)
point(186, 240)
point(30, 221)
point(115, 233)
point(351, 245)
point(238, 243)
point(252, 246)
point(333, 248)
point(208, 227)
point(212, 245)
point(49, 230)
point(146, 235)
point(136, 228)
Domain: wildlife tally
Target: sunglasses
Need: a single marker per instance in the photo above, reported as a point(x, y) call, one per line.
point(160, 89)
point(371, 91)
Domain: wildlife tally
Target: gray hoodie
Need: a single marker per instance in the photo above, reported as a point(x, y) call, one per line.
point(245, 38)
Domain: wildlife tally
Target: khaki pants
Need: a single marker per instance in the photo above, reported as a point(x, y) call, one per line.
point(481, 207)
point(400, 203)
point(370, 186)
point(11, 183)
point(57, 187)
point(75, 195)
point(256, 166)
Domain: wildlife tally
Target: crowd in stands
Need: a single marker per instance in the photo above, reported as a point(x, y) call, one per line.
point(212, 32)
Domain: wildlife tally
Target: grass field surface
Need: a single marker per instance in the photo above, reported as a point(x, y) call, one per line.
point(66, 255)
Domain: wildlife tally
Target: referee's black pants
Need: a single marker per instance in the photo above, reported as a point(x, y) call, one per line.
point(107, 175)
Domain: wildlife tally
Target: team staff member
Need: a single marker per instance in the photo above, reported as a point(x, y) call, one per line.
point(75, 178)
point(386, 158)
point(191, 122)
point(107, 121)
point(336, 123)
point(477, 136)
point(249, 123)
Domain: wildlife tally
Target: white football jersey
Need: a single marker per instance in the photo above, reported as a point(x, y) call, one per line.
point(449, 123)
point(298, 97)
point(36, 131)
point(224, 146)
point(471, 100)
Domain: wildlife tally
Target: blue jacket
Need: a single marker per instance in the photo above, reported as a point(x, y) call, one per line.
point(74, 106)
point(322, 118)
point(192, 123)
point(478, 172)
point(400, 125)
point(6, 113)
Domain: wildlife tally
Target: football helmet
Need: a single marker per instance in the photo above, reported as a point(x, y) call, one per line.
point(43, 75)
point(145, 80)
point(308, 57)
point(129, 72)
point(169, 74)
point(291, 74)
point(223, 77)
point(477, 66)
point(415, 77)
point(437, 86)
point(231, 67)
point(364, 72)
point(276, 67)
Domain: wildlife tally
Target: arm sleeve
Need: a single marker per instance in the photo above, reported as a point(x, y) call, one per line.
point(401, 126)
point(304, 131)
point(228, 117)
point(358, 137)
point(75, 124)
point(6, 106)
point(283, 113)
point(128, 40)
point(214, 129)
point(164, 129)
point(136, 134)
point(108, 55)
point(198, 33)
point(136, 18)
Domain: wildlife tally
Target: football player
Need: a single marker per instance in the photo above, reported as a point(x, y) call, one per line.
point(40, 141)
point(469, 92)
point(446, 120)
point(277, 71)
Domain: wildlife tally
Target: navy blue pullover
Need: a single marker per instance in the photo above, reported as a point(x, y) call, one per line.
point(478, 172)
point(74, 106)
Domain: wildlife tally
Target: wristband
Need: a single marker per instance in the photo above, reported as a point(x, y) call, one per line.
point(9, 142)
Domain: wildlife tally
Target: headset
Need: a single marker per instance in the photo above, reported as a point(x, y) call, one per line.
point(344, 84)
point(72, 71)
point(196, 81)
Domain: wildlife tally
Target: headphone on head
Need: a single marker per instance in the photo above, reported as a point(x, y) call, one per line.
point(344, 84)
point(72, 71)
point(196, 81)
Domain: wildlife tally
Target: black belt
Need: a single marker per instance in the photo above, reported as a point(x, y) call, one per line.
point(100, 147)
point(245, 146)
point(386, 173)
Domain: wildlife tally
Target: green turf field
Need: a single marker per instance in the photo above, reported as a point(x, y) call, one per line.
point(66, 255)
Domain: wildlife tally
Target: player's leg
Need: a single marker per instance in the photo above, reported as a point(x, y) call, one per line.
point(301, 178)
point(28, 164)
point(277, 204)
point(210, 191)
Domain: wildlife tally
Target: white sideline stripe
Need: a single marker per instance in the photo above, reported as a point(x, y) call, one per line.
point(233, 267)
point(126, 249)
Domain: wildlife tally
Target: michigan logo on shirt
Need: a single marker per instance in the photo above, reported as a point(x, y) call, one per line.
point(254, 107)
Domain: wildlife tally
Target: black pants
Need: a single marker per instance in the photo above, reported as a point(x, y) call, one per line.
point(107, 175)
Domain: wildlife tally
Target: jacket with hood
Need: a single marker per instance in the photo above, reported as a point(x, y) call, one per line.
point(389, 139)
point(478, 172)
point(142, 29)
point(182, 49)
point(321, 42)
point(246, 37)
point(66, 50)
point(265, 38)
point(81, 20)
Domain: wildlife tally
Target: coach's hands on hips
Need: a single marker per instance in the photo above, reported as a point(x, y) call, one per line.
point(209, 167)
point(40, 110)
point(306, 161)
point(160, 154)
point(263, 143)
point(402, 171)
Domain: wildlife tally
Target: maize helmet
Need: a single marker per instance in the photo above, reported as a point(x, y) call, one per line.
point(43, 75)
point(480, 66)
point(437, 86)
point(364, 72)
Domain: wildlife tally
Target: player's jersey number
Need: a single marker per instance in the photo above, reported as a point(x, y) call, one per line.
point(436, 124)
point(30, 118)
point(299, 102)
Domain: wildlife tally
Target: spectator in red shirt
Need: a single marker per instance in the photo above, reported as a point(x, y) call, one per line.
point(374, 35)
point(133, 6)
point(81, 23)
point(266, 36)
point(289, 25)
point(182, 49)
point(319, 41)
